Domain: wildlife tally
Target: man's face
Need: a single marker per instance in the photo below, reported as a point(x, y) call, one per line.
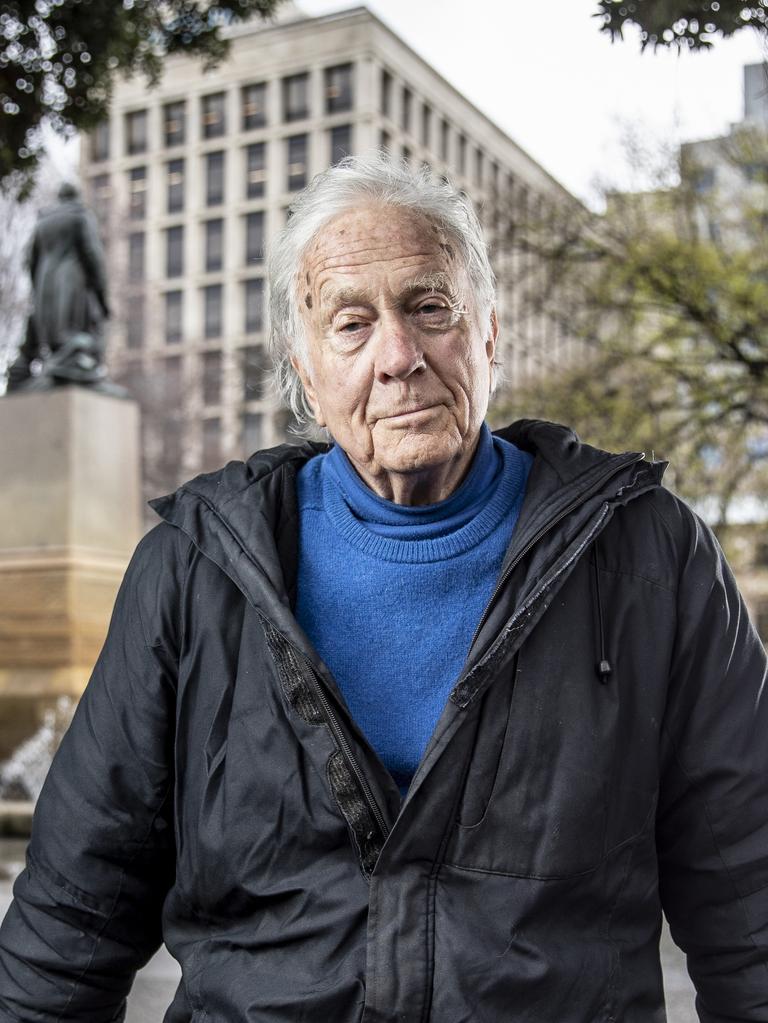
point(398, 366)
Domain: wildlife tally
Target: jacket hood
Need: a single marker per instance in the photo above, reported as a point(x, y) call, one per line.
point(244, 517)
point(560, 447)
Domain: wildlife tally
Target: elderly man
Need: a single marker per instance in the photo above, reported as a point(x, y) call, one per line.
point(425, 725)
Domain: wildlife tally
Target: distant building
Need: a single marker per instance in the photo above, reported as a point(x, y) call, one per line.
point(728, 169)
point(730, 175)
point(192, 179)
point(756, 94)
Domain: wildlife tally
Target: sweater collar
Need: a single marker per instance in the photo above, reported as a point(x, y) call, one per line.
point(455, 510)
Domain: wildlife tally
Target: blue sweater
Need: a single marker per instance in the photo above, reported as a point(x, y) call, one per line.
point(391, 595)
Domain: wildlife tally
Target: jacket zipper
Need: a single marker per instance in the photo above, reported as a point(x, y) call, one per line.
point(542, 532)
point(331, 718)
point(346, 749)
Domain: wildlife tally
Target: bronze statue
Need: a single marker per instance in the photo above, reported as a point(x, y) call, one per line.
point(64, 340)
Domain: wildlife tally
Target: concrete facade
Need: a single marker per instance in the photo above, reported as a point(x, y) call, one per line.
point(192, 180)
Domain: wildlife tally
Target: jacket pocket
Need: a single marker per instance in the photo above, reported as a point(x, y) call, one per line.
point(535, 800)
point(564, 767)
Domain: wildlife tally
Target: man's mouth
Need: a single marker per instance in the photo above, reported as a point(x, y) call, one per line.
point(405, 413)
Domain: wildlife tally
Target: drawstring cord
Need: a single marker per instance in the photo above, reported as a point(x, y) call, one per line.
point(603, 668)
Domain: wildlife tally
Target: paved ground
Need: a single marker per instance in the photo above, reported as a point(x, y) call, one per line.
point(156, 983)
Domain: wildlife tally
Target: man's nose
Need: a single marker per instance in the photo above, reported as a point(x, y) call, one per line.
point(399, 352)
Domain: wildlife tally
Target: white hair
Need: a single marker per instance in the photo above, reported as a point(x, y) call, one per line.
point(356, 181)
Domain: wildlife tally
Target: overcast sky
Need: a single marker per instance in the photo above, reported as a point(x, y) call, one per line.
point(559, 88)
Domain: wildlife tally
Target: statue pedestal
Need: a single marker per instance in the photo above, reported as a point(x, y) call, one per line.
point(69, 520)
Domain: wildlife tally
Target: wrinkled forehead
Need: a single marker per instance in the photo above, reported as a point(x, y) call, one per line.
point(373, 234)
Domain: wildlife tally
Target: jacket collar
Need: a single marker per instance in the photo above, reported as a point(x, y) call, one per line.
point(569, 476)
point(244, 517)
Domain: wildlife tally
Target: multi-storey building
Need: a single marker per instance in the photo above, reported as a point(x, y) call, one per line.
point(730, 177)
point(193, 178)
point(731, 172)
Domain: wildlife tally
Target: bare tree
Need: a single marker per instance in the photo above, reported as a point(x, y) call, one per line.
point(668, 297)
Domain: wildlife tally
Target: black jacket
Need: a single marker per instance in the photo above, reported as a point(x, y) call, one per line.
point(604, 754)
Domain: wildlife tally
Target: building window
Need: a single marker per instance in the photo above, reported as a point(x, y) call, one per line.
point(462, 154)
point(704, 179)
point(255, 370)
point(174, 123)
point(253, 99)
point(406, 109)
point(385, 142)
point(134, 332)
point(426, 124)
point(172, 433)
point(479, 166)
point(173, 317)
point(172, 391)
point(338, 89)
point(386, 93)
point(100, 142)
point(253, 295)
point(213, 115)
point(136, 256)
point(253, 432)
point(296, 160)
point(211, 378)
point(172, 440)
point(340, 142)
point(214, 245)
point(212, 310)
point(174, 185)
point(445, 139)
point(494, 177)
point(214, 178)
point(296, 97)
point(136, 132)
point(211, 443)
point(101, 194)
point(254, 237)
point(174, 251)
point(137, 197)
point(255, 170)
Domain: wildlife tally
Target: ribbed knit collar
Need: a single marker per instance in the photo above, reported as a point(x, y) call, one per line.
point(402, 533)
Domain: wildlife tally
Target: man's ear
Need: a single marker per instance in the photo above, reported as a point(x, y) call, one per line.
point(491, 336)
point(309, 390)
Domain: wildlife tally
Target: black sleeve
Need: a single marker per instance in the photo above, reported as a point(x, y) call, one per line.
point(712, 830)
point(86, 910)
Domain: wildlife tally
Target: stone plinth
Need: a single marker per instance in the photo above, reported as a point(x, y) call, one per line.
point(69, 519)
